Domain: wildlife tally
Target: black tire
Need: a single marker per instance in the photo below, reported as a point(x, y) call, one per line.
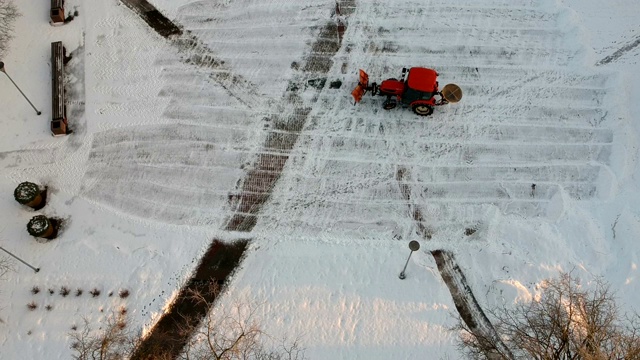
point(389, 104)
point(423, 110)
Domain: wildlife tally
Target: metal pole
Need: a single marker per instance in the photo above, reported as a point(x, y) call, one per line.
point(413, 246)
point(14, 83)
point(405, 267)
point(22, 261)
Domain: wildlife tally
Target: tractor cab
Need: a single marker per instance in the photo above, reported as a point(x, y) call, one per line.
point(418, 91)
point(421, 84)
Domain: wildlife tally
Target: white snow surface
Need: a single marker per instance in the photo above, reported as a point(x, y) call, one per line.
point(158, 145)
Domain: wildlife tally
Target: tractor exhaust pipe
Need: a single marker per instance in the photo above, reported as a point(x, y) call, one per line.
point(404, 73)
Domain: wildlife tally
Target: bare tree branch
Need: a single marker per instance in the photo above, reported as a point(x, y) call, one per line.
point(567, 322)
point(229, 333)
point(8, 14)
point(113, 341)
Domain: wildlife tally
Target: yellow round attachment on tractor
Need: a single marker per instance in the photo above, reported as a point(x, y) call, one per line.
point(452, 93)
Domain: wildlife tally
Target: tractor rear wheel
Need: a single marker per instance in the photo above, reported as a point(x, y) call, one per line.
point(389, 104)
point(423, 110)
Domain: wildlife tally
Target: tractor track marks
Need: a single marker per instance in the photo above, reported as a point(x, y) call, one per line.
point(527, 38)
point(471, 16)
point(332, 170)
point(201, 114)
point(200, 176)
point(471, 133)
point(480, 191)
point(540, 77)
point(455, 152)
point(620, 52)
point(161, 156)
point(423, 7)
point(474, 55)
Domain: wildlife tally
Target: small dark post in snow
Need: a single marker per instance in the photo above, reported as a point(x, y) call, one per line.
point(14, 83)
point(414, 246)
point(22, 261)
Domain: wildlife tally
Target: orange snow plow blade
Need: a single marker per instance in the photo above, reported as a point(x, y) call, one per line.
point(361, 88)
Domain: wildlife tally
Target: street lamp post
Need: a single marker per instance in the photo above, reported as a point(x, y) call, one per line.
point(413, 246)
point(22, 261)
point(14, 83)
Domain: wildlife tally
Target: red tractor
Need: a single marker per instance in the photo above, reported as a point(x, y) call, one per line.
point(418, 91)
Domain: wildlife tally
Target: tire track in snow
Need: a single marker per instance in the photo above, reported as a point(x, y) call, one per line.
point(620, 52)
point(184, 152)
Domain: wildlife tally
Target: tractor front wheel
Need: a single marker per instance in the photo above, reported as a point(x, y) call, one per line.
point(423, 110)
point(389, 104)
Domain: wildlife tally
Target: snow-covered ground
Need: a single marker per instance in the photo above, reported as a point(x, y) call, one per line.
point(159, 144)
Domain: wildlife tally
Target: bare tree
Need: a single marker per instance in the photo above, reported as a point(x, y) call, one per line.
point(567, 321)
point(228, 333)
point(8, 14)
point(235, 333)
point(5, 266)
point(113, 341)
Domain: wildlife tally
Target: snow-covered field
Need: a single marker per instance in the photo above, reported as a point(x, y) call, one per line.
point(160, 143)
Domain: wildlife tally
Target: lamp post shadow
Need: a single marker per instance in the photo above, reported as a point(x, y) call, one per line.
point(38, 112)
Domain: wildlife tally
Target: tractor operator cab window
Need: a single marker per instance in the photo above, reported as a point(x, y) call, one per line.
point(427, 96)
point(412, 95)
